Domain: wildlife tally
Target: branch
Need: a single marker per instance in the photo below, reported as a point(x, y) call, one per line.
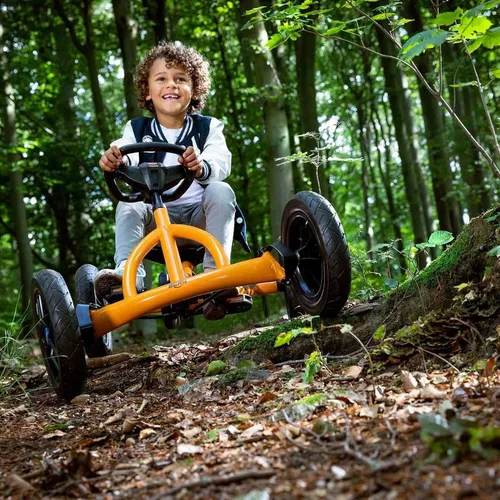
point(71, 27)
point(205, 481)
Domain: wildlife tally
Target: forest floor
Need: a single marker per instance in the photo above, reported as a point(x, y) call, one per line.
point(154, 425)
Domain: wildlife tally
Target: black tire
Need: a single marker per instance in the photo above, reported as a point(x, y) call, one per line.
point(58, 334)
point(322, 281)
point(85, 294)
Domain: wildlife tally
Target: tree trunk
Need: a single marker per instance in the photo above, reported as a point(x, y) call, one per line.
point(448, 210)
point(426, 315)
point(155, 14)
point(127, 31)
point(305, 54)
point(74, 178)
point(280, 176)
point(88, 51)
point(465, 102)
point(19, 218)
point(395, 91)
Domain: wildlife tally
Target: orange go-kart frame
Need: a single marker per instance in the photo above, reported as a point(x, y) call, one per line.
point(263, 272)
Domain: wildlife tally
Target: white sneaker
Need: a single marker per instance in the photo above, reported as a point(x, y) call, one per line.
point(106, 280)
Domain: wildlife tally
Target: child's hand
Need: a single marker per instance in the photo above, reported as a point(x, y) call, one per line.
point(111, 159)
point(191, 161)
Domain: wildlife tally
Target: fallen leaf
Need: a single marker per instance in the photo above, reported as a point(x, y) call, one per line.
point(20, 486)
point(81, 399)
point(489, 369)
point(369, 411)
point(252, 431)
point(191, 433)
point(353, 371)
point(431, 392)
point(409, 381)
point(54, 434)
point(267, 396)
point(189, 449)
point(145, 433)
point(129, 424)
point(116, 417)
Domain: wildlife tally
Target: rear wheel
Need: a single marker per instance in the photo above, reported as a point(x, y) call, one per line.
point(58, 334)
point(322, 281)
point(85, 294)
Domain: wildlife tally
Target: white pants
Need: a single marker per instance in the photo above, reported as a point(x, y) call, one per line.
point(215, 214)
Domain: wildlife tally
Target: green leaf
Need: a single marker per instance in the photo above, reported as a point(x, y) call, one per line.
point(421, 42)
point(440, 238)
point(491, 38)
point(338, 26)
point(313, 364)
point(494, 251)
point(495, 73)
point(385, 15)
point(275, 40)
point(283, 339)
point(471, 47)
point(391, 284)
point(422, 246)
point(447, 18)
point(286, 337)
point(379, 333)
point(466, 84)
point(254, 11)
point(433, 425)
point(470, 28)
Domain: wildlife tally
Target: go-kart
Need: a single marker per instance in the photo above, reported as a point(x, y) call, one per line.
point(312, 267)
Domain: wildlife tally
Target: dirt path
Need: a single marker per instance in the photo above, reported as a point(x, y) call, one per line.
point(156, 427)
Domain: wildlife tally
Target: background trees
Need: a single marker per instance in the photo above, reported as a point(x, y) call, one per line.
point(395, 165)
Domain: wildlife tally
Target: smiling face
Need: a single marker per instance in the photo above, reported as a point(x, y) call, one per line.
point(170, 90)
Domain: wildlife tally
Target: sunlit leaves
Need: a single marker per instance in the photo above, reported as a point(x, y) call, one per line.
point(420, 42)
point(437, 238)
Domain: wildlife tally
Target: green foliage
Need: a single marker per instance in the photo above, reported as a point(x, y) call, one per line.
point(313, 363)
point(452, 438)
point(437, 238)
point(421, 42)
point(286, 337)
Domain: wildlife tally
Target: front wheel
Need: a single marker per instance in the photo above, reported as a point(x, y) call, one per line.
point(85, 294)
point(58, 334)
point(322, 281)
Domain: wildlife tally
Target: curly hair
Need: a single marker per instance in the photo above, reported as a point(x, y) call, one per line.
point(174, 54)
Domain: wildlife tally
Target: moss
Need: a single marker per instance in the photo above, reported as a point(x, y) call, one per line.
point(232, 377)
point(247, 363)
point(215, 367)
point(267, 338)
point(312, 399)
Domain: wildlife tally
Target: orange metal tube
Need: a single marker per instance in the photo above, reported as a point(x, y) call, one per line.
point(261, 288)
point(264, 268)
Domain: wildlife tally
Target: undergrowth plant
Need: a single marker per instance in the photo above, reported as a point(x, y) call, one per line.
point(12, 355)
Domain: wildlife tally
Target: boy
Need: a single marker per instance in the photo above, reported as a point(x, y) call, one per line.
point(172, 83)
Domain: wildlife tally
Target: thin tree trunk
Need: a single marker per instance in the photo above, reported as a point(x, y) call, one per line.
point(439, 161)
point(463, 100)
point(155, 14)
point(278, 143)
point(395, 91)
point(127, 31)
point(305, 54)
point(19, 217)
point(87, 49)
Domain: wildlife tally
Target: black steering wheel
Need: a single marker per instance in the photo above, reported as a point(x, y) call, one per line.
point(149, 177)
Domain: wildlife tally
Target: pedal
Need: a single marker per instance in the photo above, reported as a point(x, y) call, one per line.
point(238, 304)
